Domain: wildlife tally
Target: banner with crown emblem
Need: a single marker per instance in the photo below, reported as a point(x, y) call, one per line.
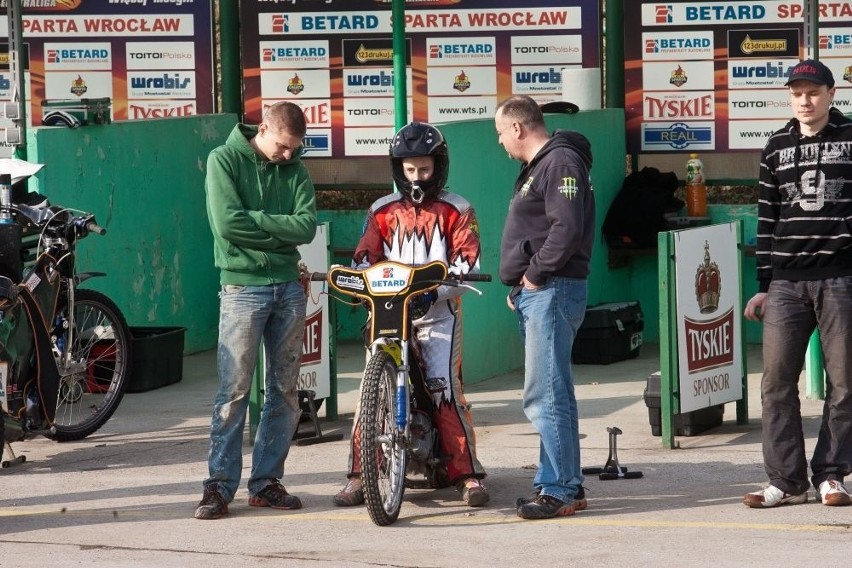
point(315, 372)
point(708, 313)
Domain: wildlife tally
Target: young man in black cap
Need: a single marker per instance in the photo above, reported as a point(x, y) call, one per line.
point(804, 266)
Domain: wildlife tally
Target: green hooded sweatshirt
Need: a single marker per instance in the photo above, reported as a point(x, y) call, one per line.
point(259, 212)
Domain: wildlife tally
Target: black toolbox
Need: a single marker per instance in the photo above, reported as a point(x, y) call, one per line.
point(610, 332)
point(686, 424)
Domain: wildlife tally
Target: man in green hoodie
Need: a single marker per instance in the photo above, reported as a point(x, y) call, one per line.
point(261, 206)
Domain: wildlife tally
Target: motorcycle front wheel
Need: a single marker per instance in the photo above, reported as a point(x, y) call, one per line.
point(94, 369)
point(383, 457)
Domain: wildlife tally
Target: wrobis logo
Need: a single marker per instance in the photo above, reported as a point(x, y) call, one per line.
point(160, 84)
point(349, 282)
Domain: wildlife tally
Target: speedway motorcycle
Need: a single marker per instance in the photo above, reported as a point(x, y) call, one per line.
point(64, 351)
point(399, 442)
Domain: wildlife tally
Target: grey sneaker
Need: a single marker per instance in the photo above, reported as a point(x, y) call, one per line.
point(274, 495)
point(212, 505)
point(773, 497)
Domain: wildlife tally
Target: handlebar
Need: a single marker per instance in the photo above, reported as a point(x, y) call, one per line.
point(451, 280)
point(44, 216)
point(88, 225)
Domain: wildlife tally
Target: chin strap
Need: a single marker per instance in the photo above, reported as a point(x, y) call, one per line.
point(417, 194)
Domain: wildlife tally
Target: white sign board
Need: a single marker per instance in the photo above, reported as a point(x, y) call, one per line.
point(315, 373)
point(708, 316)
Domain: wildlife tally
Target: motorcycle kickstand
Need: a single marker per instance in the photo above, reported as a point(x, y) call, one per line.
point(612, 469)
point(15, 459)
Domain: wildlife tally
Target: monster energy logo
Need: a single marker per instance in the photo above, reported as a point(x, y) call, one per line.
point(526, 187)
point(568, 187)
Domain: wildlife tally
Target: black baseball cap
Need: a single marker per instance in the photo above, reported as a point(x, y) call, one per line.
point(813, 71)
point(560, 106)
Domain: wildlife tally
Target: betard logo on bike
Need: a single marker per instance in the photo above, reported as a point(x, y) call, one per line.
point(388, 278)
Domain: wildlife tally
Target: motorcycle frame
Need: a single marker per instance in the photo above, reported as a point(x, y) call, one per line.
point(38, 297)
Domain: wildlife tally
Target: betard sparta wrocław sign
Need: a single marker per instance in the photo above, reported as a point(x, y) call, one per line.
point(708, 312)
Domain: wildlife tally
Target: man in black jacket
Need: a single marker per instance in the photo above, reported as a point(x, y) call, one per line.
point(804, 266)
point(545, 253)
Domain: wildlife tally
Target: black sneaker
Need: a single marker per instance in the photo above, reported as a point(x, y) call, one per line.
point(546, 507)
point(212, 505)
point(274, 495)
point(580, 503)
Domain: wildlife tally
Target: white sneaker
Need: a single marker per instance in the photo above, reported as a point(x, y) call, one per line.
point(834, 494)
point(773, 497)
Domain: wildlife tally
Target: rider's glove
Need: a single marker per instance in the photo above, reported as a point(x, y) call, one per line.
point(419, 305)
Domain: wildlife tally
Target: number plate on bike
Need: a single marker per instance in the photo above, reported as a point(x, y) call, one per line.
point(388, 279)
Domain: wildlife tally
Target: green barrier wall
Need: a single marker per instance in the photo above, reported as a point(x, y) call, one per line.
point(144, 180)
point(482, 172)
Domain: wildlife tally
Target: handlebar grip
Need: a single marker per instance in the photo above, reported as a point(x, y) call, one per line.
point(95, 228)
point(318, 276)
point(475, 278)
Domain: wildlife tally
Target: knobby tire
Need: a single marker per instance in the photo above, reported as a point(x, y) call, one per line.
point(383, 457)
point(90, 396)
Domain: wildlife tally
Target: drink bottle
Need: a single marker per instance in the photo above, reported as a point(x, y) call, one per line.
point(696, 190)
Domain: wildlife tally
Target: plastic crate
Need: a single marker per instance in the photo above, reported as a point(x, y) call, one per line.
point(157, 357)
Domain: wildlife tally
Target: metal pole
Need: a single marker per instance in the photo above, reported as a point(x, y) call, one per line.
point(228, 53)
point(399, 70)
point(16, 69)
point(811, 34)
point(815, 368)
point(614, 48)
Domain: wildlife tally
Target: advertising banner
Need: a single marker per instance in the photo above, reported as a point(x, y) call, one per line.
point(315, 373)
point(151, 58)
point(708, 314)
point(710, 75)
point(463, 56)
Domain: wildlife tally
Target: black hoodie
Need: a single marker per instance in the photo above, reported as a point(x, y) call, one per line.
point(804, 209)
point(550, 226)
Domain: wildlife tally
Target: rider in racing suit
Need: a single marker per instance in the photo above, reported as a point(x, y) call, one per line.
point(420, 224)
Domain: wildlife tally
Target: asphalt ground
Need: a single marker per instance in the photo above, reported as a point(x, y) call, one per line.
point(125, 496)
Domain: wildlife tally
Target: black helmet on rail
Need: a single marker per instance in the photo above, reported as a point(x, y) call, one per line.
point(419, 139)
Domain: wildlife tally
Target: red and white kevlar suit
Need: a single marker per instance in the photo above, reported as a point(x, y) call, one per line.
point(444, 229)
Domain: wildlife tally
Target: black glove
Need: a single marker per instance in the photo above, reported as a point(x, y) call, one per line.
point(419, 305)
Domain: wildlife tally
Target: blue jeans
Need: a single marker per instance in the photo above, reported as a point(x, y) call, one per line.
point(792, 311)
point(247, 315)
point(549, 318)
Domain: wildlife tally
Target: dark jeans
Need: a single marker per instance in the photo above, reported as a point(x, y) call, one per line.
point(792, 311)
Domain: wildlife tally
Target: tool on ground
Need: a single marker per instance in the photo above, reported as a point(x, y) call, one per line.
point(612, 469)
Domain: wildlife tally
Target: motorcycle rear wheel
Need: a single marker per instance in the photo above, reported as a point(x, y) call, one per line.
point(101, 354)
point(383, 457)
